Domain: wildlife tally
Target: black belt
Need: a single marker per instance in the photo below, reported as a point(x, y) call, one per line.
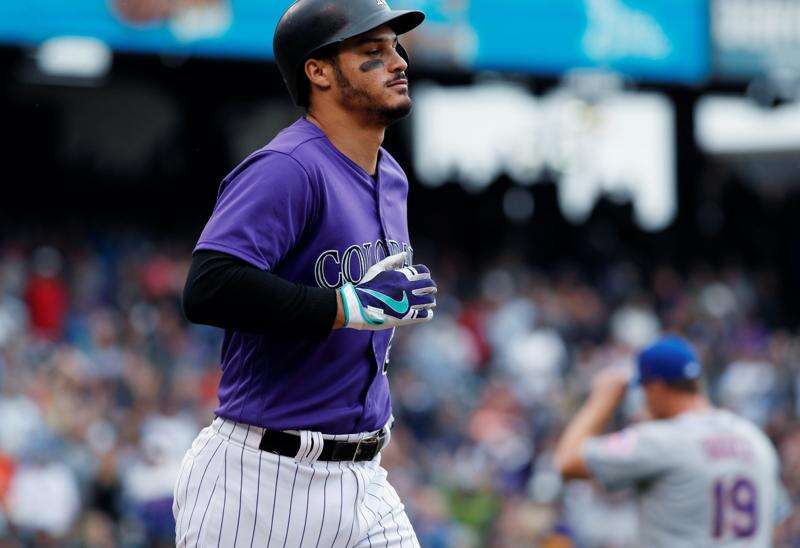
point(287, 445)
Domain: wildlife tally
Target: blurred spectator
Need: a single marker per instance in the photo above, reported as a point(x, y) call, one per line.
point(746, 387)
point(43, 499)
point(46, 294)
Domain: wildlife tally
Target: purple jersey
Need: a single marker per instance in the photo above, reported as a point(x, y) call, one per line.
point(302, 210)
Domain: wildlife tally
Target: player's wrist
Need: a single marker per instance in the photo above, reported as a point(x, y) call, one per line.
point(356, 315)
point(339, 321)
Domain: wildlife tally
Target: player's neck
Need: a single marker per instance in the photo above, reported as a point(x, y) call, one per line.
point(353, 138)
point(690, 403)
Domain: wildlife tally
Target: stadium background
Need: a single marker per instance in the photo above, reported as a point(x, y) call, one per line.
point(116, 137)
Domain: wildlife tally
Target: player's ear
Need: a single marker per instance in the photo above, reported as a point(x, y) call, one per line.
point(319, 73)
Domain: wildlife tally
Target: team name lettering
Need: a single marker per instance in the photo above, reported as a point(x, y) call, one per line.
point(333, 269)
point(727, 447)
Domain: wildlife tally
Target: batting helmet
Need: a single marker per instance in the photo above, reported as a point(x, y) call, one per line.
point(310, 25)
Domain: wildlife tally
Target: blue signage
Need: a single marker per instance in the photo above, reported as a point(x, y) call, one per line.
point(191, 27)
point(658, 40)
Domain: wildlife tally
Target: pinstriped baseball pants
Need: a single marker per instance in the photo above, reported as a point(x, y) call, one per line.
point(229, 493)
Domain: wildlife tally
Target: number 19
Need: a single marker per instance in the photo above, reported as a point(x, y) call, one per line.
point(735, 508)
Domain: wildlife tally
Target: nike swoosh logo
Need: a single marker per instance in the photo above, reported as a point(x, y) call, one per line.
point(400, 307)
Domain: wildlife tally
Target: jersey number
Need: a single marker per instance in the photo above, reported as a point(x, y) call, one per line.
point(735, 508)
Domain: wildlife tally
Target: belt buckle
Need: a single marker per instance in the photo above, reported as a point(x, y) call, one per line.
point(374, 440)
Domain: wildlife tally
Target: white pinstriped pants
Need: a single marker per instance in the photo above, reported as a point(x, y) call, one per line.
point(230, 493)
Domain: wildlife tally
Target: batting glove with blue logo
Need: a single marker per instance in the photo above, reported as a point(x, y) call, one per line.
point(389, 296)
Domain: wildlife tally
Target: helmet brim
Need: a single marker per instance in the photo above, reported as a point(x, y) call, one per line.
point(405, 21)
point(401, 22)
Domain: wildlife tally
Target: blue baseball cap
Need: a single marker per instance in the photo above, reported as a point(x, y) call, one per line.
point(669, 359)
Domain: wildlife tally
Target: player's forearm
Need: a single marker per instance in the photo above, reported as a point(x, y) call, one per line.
point(590, 421)
point(225, 292)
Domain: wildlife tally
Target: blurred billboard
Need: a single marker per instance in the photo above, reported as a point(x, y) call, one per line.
point(760, 145)
point(583, 146)
point(735, 126)
point(659, 40)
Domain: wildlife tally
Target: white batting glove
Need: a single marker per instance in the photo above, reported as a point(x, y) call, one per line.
point(389, 296)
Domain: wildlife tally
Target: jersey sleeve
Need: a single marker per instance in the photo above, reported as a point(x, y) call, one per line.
point(261, 212)
point(627, 457)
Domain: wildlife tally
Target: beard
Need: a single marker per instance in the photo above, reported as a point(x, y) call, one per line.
point(357, 99)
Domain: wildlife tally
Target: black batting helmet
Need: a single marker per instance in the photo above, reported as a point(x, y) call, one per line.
point(310, 25)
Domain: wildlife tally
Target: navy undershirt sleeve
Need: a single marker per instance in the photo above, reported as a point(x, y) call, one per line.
point(224, 291)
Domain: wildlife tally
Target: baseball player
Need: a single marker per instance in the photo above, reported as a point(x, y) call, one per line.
point(306, 263)
point(703, 476)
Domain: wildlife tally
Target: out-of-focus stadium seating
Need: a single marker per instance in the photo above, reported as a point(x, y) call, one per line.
point(103, 385)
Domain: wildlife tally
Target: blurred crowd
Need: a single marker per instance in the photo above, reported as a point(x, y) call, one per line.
point(103, 386)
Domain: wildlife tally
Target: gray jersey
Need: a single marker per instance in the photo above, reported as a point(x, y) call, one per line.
point(702, 479)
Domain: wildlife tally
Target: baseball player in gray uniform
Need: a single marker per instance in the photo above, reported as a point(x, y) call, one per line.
point(703, 476)
point(306, 262)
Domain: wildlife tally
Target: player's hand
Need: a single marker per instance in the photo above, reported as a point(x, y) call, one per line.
point(389, 296)
point(612, 382)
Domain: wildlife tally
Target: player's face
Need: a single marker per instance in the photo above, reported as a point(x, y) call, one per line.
point(370, 76)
